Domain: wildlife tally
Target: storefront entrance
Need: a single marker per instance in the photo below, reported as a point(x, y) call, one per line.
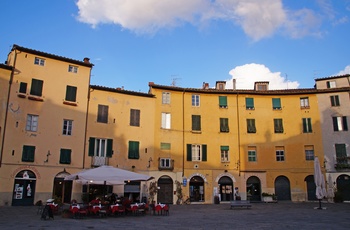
point(196, 189)
point(282, 188)
point(311, 188)
point(226, 188)
point(253, 189)
point(343, 186)
point(62, 189)
point(24, 188)
point(165, 191)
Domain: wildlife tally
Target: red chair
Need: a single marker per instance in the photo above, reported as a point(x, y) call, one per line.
point(166, 210)
point(158, 209)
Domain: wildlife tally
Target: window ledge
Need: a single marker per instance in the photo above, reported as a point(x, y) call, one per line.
point(250, 108)
point(70, 103)
point(21, 95)
point(35, 98)
point(196, 132)
point(305, 107)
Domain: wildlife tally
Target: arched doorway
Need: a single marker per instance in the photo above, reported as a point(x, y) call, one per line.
point(282, 188)
point(165, 191)
point(253, 189)
point(62, 189)
point(343, 186)
point(24, 188)
point(226, 188)
point(196, 189)
point(311, 187)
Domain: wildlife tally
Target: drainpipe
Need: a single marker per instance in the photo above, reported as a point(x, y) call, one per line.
point(7, 107)
point(239, 139)
point(183, 133)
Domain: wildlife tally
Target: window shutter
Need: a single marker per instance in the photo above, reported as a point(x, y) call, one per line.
point(23, 87)
point(328, 85)
point(335, 124)
point(222, 101)
point(276, 103)
point(224, 148)
point(189, 152)
point(28, 153)
point(65, 156)
point(133, 150)
point(71, 93)
point(91, 147)
point(37, 87)
point(345, 124)
point(109, 148)
point(249, 102)
point(204, 152)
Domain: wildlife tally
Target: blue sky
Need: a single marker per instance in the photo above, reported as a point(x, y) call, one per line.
point(187, 42)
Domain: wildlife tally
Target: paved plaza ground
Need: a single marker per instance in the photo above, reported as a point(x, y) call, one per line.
point(281, 215)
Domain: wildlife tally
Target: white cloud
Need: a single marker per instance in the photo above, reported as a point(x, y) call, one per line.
point(258, 19)
point(246, 75)
point(345, 71)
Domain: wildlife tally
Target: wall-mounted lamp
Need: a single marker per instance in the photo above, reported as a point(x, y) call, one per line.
point(149, 162)
point(47, 156)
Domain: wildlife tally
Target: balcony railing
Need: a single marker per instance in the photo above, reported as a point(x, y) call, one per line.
point(162, 166)
point(99, 161)
point(342, 163)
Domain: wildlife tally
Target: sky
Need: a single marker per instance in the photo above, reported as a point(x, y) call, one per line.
point(187, 42)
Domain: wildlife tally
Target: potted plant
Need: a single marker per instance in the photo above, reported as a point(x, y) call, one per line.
point(268, 197)
point(178, 192)
point(153, 189)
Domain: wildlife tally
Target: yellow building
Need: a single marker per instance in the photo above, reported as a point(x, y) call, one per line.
point(45, 125)
point(255, 140)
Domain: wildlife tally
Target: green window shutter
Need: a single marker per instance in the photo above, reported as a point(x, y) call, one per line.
point(71, 93)
point(23, 87)
point(165, 146)
point(91, 147)
point(37, 87)
point(133, 150)
point(189, 152)
point(345, 124)
point(65, 156)
point(204, 152)
point(224, 148)
point(276, 103)
point(223, 101)
point(249, 103)
point(340, 151)
point(28, 153)
point(109, 148)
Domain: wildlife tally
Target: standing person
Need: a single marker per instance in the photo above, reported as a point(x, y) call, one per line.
point(237, 196)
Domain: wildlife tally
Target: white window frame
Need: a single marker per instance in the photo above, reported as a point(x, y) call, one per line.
point(165, 162)
point(39, 61)
point(280, 155)
point(252, 156)
point(340, 124)
point(165, 98)
point(100, 147)
point(225, 156)
point(166, 121)
point(67, 127)
point(32, 122)
point(195, 100)
point(332, 84)
point(196, 153)
point(309, 154)
point(304, 102)
point(73, 69)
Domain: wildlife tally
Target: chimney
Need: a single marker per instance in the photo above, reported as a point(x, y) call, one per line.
point(220, 85)
point(233, 83)
point(205, 85)
point(87, 60)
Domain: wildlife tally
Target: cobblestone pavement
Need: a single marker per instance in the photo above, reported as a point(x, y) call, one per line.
point(281, 215)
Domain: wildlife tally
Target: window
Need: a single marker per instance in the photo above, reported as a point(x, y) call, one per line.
point(222, 101)
point(335, 100)
point(23, 87)
point(224, 125)
point(309, 153)
point(340, 152)
point(73, 69)
point(276, 103)
point(32, 122)
point(165, 98)
point(71, 93)
point(39, 61)
point(65, 156)
point(133, 152)
point(196, 123)
point(340, 123)
point(278, 125)
point(195, 100)
point(37, 87)
point(67, 127)
point(196, 152)
point(224, 153)
point(249, 103)
point(134, 117)
point(262, 87)
point(165, 146)
point(307, 126)
point(279, 154)
point(165, 163)
point(99, 147)
point(102, 113)
point(304, 102)
point(166, 121)
point(251, 154)
point(28, 153)
point(331, 84)
point(251, 126)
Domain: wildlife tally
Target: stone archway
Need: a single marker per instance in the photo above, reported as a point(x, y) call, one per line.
point(62, 189)
point(310, 187)
point(196, 187)
point(226, 188)
point(24, 188)
point(282, 188)
point(165, 191)
point(253, 188)
point(343, 186)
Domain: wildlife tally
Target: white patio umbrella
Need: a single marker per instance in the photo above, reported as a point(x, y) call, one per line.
point(319, 181)
point(108, 175)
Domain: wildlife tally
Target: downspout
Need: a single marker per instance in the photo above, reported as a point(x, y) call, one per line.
point(86, 119)
point(239, 139)
point(7, 107)
point(183, 133)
